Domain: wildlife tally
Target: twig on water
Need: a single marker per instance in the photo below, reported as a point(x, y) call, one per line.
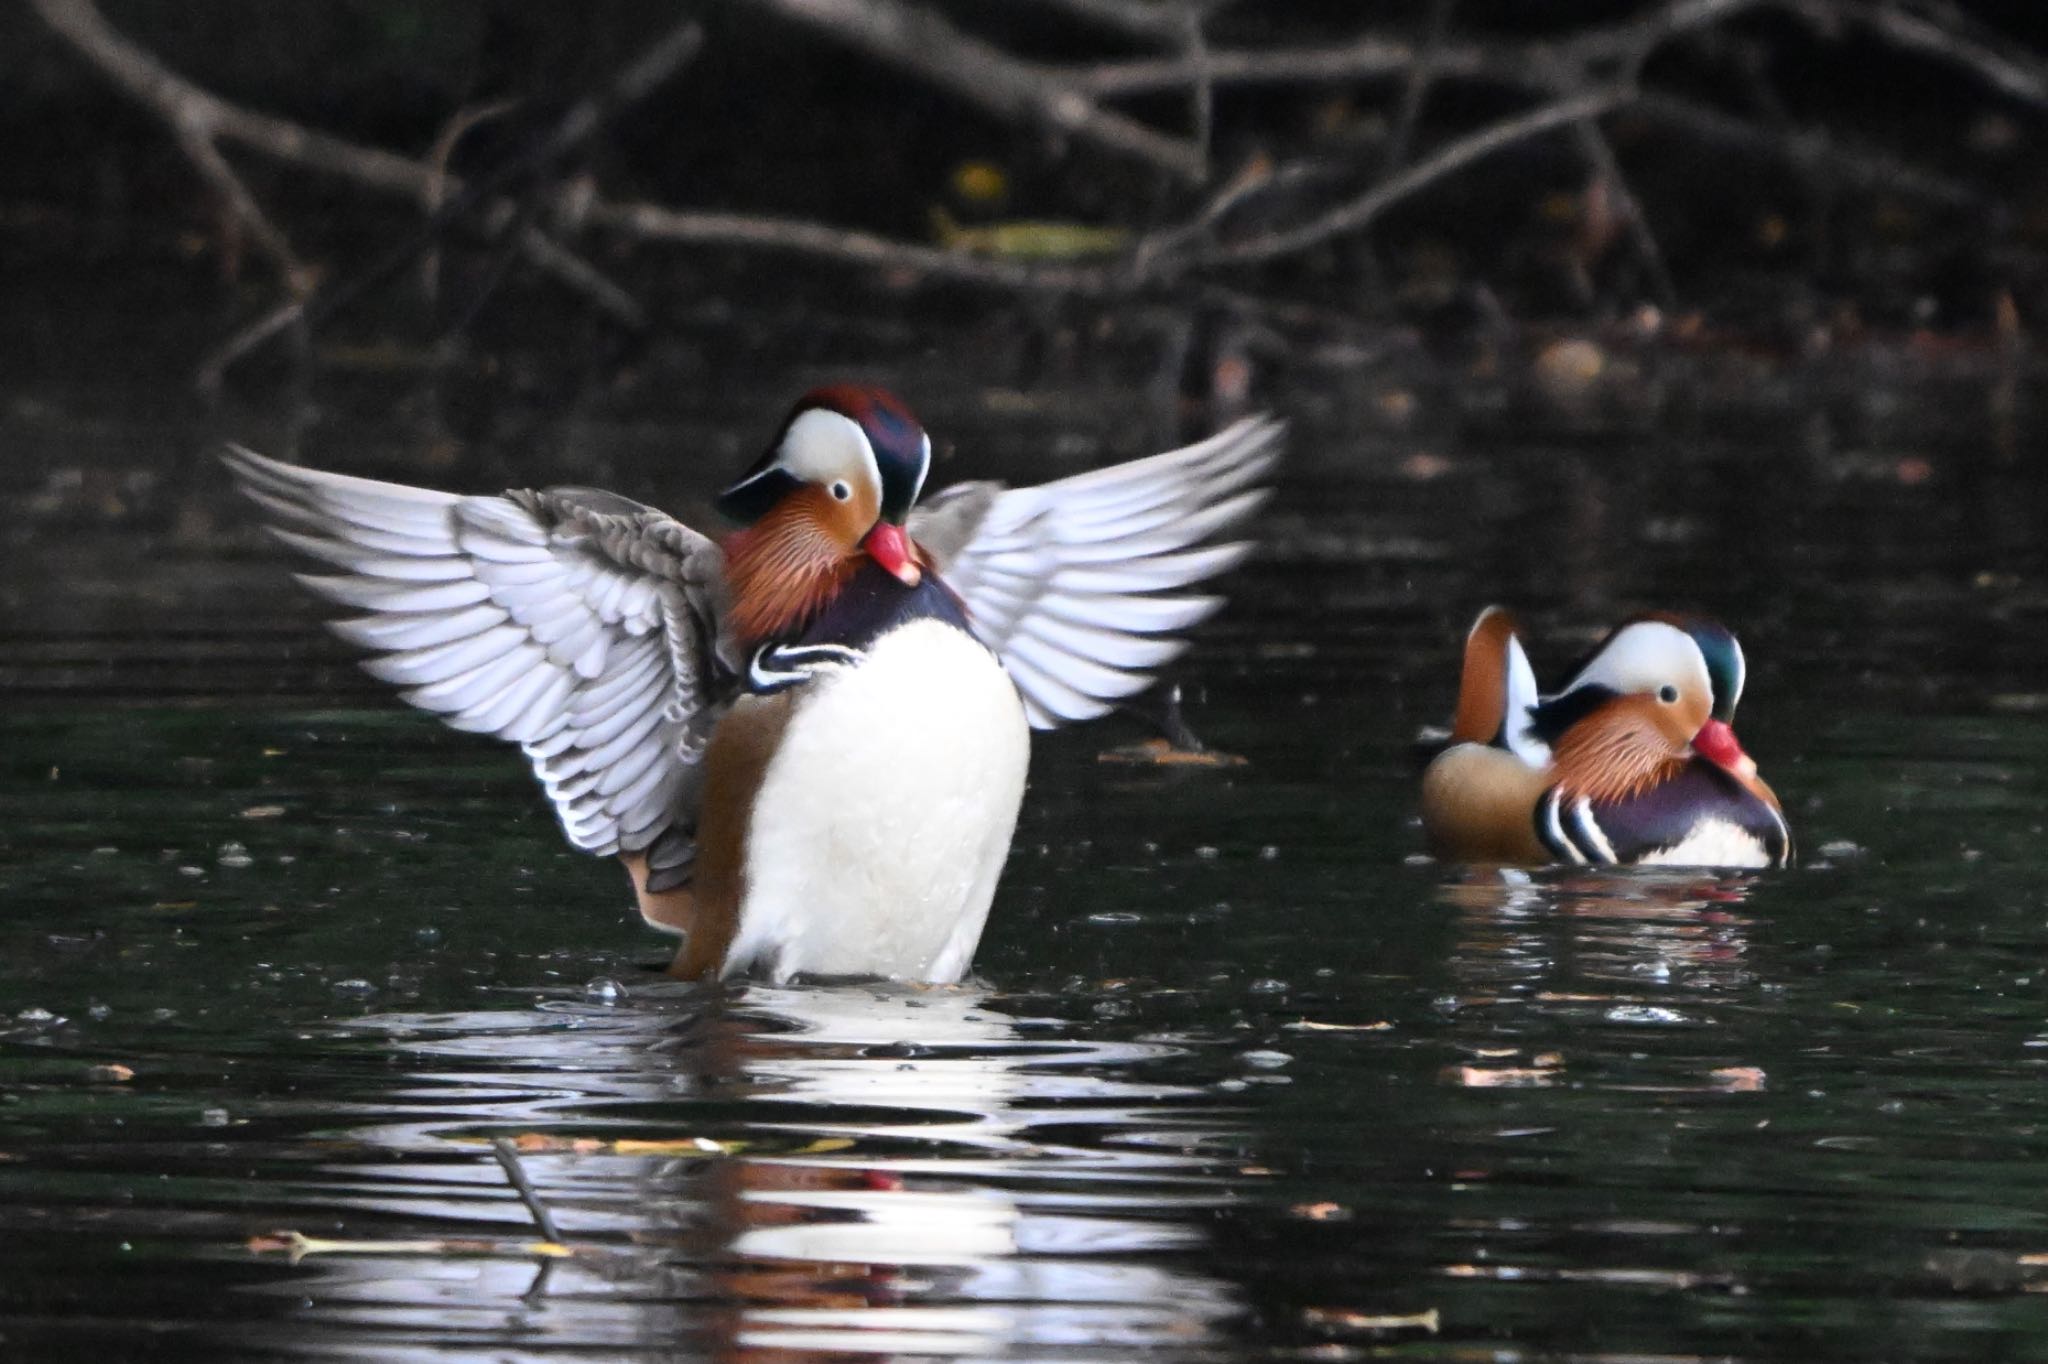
point(508, 1159)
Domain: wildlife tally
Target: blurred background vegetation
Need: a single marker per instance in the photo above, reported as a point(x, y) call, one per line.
point(1307, 181)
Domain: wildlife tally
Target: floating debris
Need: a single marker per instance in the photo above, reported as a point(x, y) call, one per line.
point(1308, 1025)
point(1160, 753)
point(297, 1245)
point(1343, 1319)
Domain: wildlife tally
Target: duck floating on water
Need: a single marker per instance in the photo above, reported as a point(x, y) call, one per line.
point(1633, 761)
point(807, 744)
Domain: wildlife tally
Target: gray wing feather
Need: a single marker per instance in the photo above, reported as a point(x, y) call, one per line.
point(1074, 584)
point(575, 623)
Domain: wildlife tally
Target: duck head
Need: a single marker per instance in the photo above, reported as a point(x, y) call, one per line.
point(832, 491)
point(1657, 693)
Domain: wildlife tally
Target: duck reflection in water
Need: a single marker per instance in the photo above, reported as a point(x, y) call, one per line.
point(803, 1172)
point(1540, 954)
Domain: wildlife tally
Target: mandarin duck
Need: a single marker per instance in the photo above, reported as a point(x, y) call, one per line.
point(807, 743)
point(1633, 761)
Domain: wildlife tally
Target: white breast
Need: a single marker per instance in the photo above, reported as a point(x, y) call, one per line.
point(884, 818)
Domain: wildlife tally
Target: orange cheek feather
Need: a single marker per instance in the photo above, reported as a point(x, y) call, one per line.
point(786, 566)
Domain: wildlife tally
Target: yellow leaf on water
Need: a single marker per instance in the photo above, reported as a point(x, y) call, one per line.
point(679, 1146)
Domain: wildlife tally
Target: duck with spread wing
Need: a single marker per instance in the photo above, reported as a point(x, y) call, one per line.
point(806, 744)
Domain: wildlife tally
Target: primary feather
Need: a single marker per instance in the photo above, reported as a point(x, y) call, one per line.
point(575, 623)
point(1074, 583)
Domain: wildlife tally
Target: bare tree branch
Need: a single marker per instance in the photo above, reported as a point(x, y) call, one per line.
point(1368, 58)
point(1808, 149)
point(1599, 153)
point(1416, 90)
point(201, 120)
point(1941, 32)
point(1572, 83)
point(922, 41)
point(1452, 156)
point(1156, 23)
point(656, 223)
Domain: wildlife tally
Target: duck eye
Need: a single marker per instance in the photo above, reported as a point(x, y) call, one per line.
point(1668, 694)
point(841, 491)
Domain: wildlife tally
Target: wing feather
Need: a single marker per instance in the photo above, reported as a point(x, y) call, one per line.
point(1073, 583)
point(580, 625)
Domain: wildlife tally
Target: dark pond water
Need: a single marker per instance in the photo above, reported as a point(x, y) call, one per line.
point(1242, 1075)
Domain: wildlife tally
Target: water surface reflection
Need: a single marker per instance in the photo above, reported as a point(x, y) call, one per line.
point(857, 1170)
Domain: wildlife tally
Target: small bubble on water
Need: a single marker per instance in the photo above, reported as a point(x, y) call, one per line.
point(37, 1016)
point(354, 988)
point(1268, 853)
point(100, 1013)
point(428, 936)
point(191, 871)
point(1266, 1060)
point(1267, 985)
point(604, 990)
point(214, 1117)
point(233, 855)
point(1840, 849)
point(1208, 853)
point(1114, 917)
point(1233, 1086)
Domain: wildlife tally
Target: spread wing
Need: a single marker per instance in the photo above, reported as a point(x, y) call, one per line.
point(1075, 584)
point(578, 624)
